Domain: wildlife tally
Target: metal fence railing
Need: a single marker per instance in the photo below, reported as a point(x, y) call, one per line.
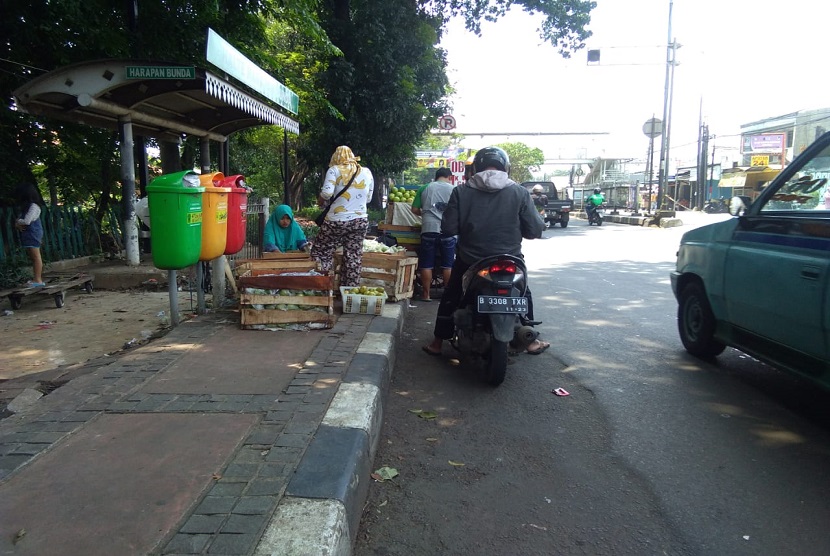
point(68, 233)
point(73, 232)
point(256, 217)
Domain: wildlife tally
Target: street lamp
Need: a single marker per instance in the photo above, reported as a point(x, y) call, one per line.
point(671, 54)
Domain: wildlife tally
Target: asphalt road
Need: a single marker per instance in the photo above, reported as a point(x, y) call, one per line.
point(653, 452)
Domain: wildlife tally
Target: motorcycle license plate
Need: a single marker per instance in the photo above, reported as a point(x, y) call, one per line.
point(499, 304)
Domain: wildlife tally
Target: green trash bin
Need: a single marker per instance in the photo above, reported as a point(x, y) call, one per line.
point(175, 203)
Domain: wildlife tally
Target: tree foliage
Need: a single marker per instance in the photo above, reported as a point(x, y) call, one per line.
point(369, 73)
point(524, 160)
point(564, 21)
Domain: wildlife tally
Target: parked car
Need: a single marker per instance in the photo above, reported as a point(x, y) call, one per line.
point(760, 282)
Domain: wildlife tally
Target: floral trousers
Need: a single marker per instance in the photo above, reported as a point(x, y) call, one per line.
point(350, 235)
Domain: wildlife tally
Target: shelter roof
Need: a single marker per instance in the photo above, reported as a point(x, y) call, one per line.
point(199, 103)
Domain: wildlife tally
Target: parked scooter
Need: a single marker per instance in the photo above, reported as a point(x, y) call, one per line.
point(490, 315)
point(716, 206)
point(594, 216)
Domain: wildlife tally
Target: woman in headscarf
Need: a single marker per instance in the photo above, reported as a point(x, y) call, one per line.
point(282, 233)
point(348, 219)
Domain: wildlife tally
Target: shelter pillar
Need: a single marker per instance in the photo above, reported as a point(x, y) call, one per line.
point(130, 226)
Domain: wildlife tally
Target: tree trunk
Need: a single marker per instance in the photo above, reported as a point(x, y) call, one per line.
point(376, 202)
point(342, 10)
point(170, 158)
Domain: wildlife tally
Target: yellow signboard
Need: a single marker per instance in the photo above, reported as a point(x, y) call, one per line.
point(759, 160)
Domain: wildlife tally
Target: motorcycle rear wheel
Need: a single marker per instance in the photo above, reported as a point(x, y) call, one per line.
point(497, 364)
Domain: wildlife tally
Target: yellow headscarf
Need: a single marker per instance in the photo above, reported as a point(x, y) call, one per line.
point(345, 159)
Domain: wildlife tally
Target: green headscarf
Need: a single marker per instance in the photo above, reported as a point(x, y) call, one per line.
point(286, 239)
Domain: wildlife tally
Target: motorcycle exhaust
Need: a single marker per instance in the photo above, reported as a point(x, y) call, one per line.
point(524, 336)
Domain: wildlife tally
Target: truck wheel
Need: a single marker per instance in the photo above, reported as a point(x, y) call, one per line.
point(696, 323)
point(564, 223)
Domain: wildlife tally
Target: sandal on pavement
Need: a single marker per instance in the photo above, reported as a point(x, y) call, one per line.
point(31, 284)
point(424, 300)
point(430, 352)
point(540, 349)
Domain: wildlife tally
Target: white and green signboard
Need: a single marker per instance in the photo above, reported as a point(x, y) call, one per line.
point(161, 72)
point(221, 54)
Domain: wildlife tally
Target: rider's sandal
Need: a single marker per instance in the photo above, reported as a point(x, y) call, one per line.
point(541, 349)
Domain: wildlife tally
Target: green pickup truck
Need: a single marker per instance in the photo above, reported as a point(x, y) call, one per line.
point(760, 282)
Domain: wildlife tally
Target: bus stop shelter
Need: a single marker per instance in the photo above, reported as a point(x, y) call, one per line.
point(145, 98)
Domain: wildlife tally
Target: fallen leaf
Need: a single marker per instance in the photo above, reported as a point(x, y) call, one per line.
point(428, 415)
point(455, 463)
point(216, 476)
point(432, 439)
point(385, 473)
point(20, 534)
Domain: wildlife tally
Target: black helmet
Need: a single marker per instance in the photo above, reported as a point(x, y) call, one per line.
point(597, 190)
point(491, 157)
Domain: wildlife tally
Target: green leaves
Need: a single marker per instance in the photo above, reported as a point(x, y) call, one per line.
point(424, 414)
point(385, 474)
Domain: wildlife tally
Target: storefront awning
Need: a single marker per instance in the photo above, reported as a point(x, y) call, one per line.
point(751, 178)
point(162, 99)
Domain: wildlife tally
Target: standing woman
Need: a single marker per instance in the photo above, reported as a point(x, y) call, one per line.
point(348, 219)
point(29, 203)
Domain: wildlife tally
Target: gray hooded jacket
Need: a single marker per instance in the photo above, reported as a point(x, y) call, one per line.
point(490, 214)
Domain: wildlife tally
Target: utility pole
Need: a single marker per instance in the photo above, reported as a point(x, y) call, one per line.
point(671, 52)
point(701, 175)
point(712, 165)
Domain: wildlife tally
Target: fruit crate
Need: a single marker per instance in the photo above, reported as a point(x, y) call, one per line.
point(274, 295)
point(362, 304)
point(395, 272)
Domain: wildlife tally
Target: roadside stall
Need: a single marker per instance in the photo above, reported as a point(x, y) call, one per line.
point(748, 182)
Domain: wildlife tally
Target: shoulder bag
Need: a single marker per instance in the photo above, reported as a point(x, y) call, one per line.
point(322, 216)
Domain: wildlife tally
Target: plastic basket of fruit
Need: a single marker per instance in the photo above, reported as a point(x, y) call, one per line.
point(363, 300)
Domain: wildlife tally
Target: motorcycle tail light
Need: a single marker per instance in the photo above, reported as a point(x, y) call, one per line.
point(503, 291)
point(503, 266)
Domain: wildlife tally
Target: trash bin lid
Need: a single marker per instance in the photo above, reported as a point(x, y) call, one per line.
point(211, 179)
point(177, 182)
point(236, 182)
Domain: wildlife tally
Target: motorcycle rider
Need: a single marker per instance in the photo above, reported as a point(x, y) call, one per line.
point(594, 202)
point(540, 200)
point(490, 214)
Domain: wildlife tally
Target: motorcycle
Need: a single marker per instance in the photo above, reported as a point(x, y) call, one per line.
point(716, 206)
point(594, 216)
point(490, 315)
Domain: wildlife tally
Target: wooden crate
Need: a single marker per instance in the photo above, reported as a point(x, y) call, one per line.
point(292, 256)
point(271, 277)
point(408, 236)
point(395, 272)
point(259, 267)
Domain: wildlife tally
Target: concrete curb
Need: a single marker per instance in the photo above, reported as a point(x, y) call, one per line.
point(644, 221)
point(323, 503)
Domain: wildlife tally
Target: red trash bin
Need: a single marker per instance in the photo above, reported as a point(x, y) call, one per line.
point(237, 211)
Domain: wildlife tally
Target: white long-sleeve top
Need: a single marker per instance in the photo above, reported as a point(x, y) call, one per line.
point(351, 204)
point(31, 215)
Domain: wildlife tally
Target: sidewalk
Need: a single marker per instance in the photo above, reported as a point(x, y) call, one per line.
point(209, 440)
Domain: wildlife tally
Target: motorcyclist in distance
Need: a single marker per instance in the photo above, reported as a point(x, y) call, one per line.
point(594, 202)
point(540, 200)
point(490, 214)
